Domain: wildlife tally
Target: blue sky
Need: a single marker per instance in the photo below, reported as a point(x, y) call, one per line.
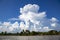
point(10, 9)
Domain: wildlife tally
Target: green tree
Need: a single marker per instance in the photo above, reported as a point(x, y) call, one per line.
point(53, 32)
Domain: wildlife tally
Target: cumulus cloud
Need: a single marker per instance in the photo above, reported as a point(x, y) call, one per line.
point(8, 26)
point(31, 19)
point(6, 23)
point(29, 7)
point(53, 19)
point(31, 15)
point(15, 25)
point(4, 26)
point(53, 24)
point(22, 25)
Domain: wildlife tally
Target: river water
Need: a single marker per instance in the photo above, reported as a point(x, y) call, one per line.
point(30, 37)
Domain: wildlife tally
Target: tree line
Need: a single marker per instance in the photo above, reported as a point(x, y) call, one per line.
point(28, 33)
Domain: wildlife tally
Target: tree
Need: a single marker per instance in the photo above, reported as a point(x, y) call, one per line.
point(5, 32)
point(53, 32)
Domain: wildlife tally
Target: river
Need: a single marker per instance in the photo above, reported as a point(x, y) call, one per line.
point(51, 37)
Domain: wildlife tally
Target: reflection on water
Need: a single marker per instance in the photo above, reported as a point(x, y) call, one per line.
point(30, 37)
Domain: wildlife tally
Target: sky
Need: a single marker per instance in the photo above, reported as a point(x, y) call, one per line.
point(16, 15)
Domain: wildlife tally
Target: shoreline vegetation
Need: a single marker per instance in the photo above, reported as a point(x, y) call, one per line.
point(33, 33)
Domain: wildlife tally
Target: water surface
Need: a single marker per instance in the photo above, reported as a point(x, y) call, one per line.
point(30, 37)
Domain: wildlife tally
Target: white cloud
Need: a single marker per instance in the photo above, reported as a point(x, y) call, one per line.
point(46, 28)
point(34, 19)
point(9, 27)
point(13, 19)
point(53, 19)
point(30, 19)
point(22, 25)
point(53, 24)
point(29, 7)
point(5, 26)
point(31, 15)
point(6, 23)
point(15, 25)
